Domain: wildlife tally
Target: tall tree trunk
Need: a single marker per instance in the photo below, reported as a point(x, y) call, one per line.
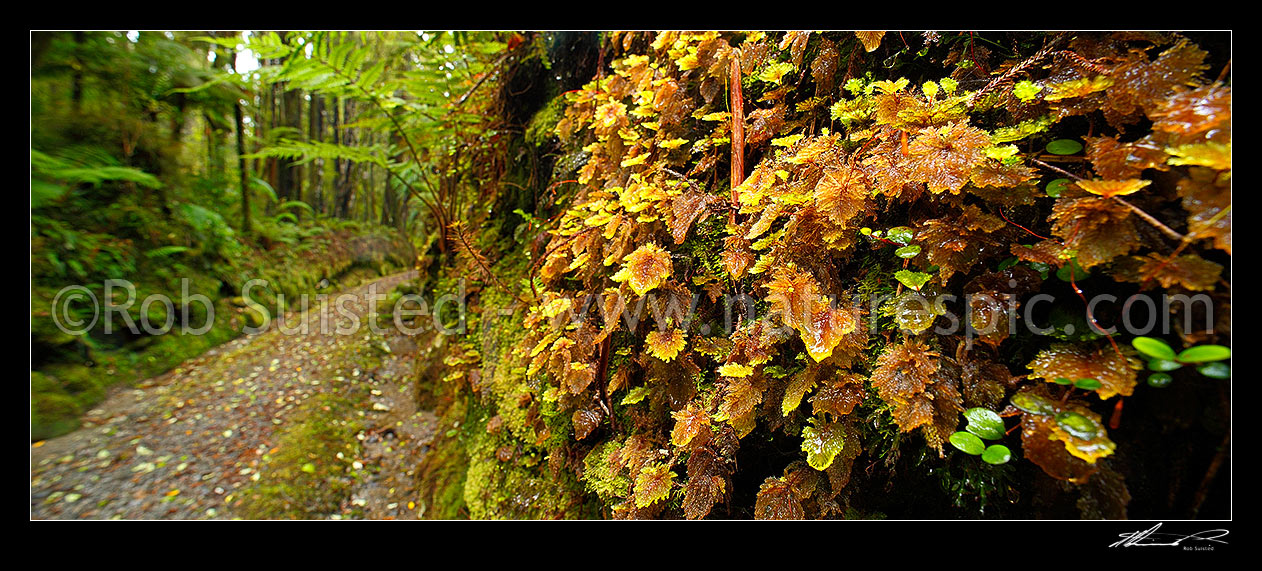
point(273, 121)
point(242, 168)
point(315, 134)
point(289, 179)
point(345, 180)
point(76, 79)
point(245, 171)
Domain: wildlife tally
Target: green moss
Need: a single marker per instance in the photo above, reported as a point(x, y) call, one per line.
point(305, 479)
point(52, 414)
point(542, 126)
point(610, 484)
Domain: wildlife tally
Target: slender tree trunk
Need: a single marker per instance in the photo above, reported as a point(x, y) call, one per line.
point(76, 79)
point(315, 134)
point(245, 171)
point(242, 167)
point(345, 182)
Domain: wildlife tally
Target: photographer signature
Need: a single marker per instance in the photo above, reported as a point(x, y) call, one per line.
point(1150, 537)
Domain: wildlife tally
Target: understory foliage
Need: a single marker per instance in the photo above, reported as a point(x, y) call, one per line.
point(878, 180)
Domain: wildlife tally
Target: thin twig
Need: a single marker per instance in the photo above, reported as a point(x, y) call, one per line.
point(738, 132)
point(1149, 219)
point(1138, 211)
point(1056, 168)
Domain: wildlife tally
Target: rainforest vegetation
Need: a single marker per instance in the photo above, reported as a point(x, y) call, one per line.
point(700, 275)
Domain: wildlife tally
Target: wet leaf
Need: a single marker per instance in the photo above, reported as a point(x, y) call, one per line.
point(913, 280)
point(984, 423)
point(665, 346)
point(1204, 353)
point(871, 39)
point(1099, 229)
point(707, 483)
point(1056, 187)
point(1111, 188)
point(690, 423)
point(968, 443)
point(1216, 370)
point(908, 252)
point(776, 500)
point(1116, 373)
point(653, 484)
point(822, 441)
point(647, 268)
point(1160, 380)
point(1153, 347)
point(1064, 147)
point(1078, 425)
point(996, 454)
point(1033, 403)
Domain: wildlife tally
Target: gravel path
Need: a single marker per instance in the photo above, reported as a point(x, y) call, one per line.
point(183, 444)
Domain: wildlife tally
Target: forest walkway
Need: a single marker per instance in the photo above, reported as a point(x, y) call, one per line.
point(193, 442)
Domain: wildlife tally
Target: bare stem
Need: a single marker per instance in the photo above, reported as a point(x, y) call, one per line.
point(1149, 219)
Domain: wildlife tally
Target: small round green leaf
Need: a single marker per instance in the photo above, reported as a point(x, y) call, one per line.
point(1163, 365)
point(1072, 272)
point(997, 454)
point(1153, 347)
point(1033, 404)
point(908, 252)
point(1064, 147)
point(865, 231)
point(984, 423)
point(1204, 353)
point(968, 443)
point(1062, 381)
point(913, 280)
point(309, 468)
point(1056, 187)
point(1088, 384)
point(900, 235)
point(1159, 380)
point(1008, 263)
point(1078, 425)
point(1216, 370)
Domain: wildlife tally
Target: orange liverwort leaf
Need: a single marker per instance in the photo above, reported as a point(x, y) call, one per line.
point(871, 39)
point(647, 267)
point(776, 500)
point(841, 194)
point(945, 157)
point(1098, 228)
point(1189, 271)
point(1116, 373)
point(690, 423)
point(707, 482)
point(1205, 196)
point(920, 391)
point(1111, 188)
point(665, 346)
point(653, 484)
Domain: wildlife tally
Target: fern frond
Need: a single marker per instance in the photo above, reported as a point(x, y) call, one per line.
point(296, 204)
point(56, 169)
